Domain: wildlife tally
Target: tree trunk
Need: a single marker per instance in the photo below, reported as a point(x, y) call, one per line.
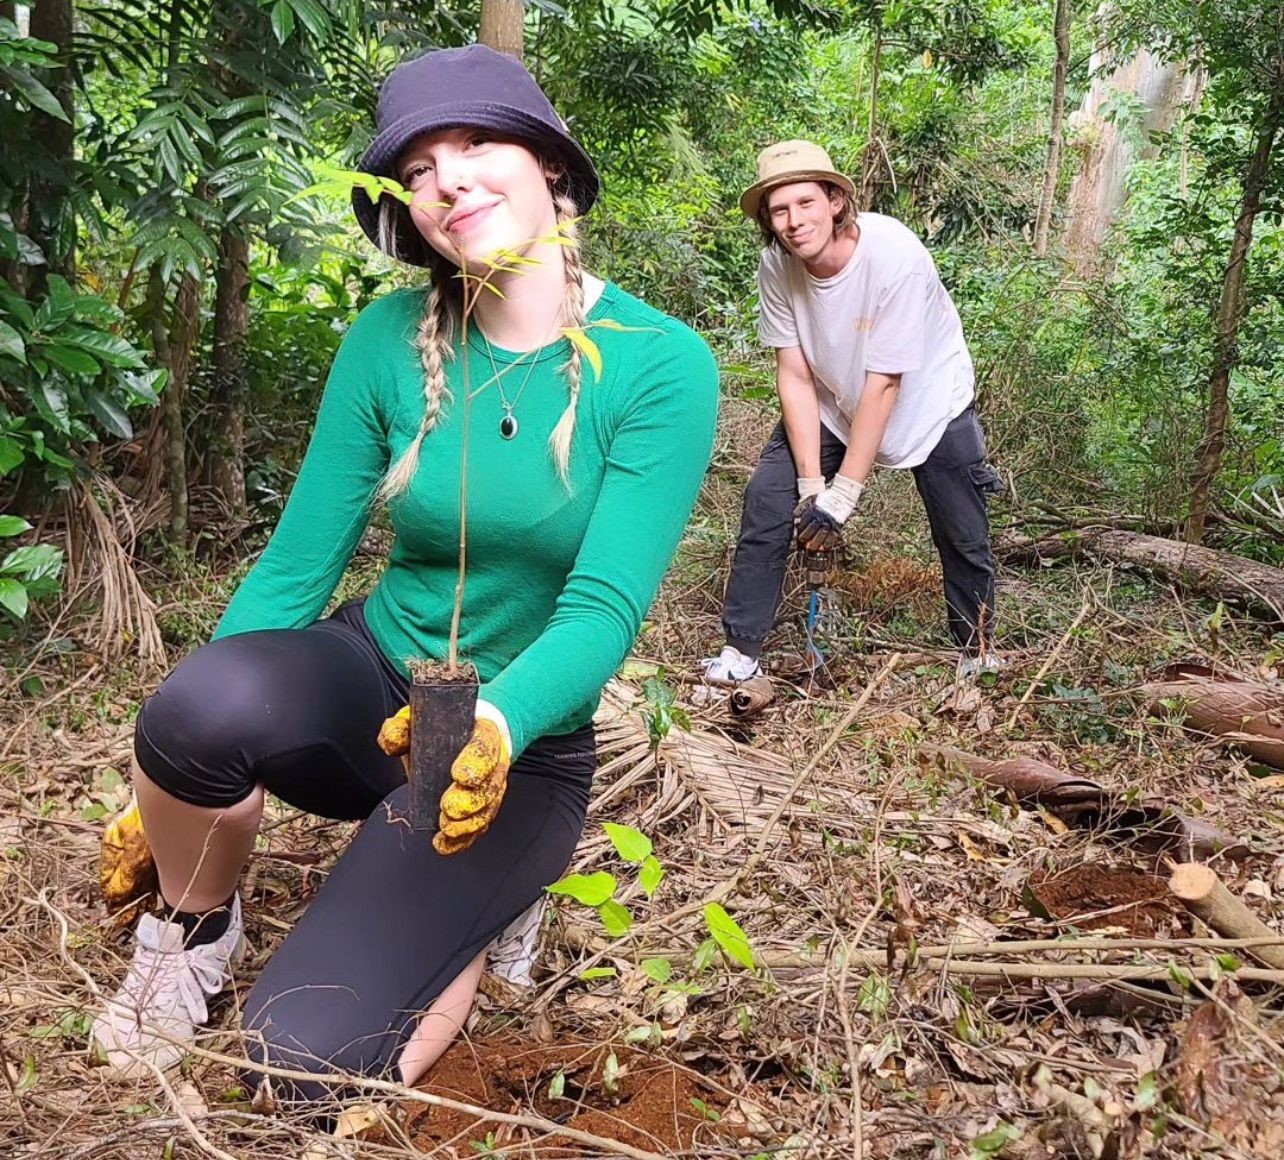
point(1230, 313)
point(52, 226)
point(1052, 167)
point(871, 161)
point(503, 26)
point(173, 337)
point(231, 324)
point(1260, 587)
point(1109, 149)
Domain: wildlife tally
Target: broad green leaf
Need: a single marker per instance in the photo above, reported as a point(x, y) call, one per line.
point(110, 414)
point(587, 347)
point(109, 347)
point(587, 889)
point(55, 409)
point(282, 20)
point(650, 875)
point(13, 526)
point(13, 596)
point(33, 562)
point(631, 845)
point(661, 970)
point(615, 918)
point(11, 455)
point(598, 973)
point(313, 17)
point(11, 343)
point(37, 95)
point(144, 386)
point(77, 362)
point(728, 934)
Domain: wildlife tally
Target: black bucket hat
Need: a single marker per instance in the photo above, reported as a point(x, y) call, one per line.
point(463, 87)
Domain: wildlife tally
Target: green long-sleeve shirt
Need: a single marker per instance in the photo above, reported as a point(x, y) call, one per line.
point(558, 579)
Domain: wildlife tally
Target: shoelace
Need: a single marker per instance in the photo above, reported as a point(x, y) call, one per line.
point(189, 975)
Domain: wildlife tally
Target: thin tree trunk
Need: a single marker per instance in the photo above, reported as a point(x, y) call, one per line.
point(52, 227)
point(871, 162)
point(173, 337)
point(1052, 167)
point(503, 26)
point(231, 325)
point(1230, 313)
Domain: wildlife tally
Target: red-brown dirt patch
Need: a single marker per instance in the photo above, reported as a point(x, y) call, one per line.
point(1093, 896)
point(650, 1103)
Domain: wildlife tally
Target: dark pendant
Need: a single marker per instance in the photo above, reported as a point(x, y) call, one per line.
point(508, 427)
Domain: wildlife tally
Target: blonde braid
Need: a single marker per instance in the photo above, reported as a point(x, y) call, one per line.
point(433, 341)
point(559, 442)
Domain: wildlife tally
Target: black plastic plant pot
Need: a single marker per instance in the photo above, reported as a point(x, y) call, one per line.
point(441, 721)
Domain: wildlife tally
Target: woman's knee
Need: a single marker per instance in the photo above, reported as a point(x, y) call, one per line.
point(195, 734)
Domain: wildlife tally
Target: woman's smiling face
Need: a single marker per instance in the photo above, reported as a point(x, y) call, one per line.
point(476, 193)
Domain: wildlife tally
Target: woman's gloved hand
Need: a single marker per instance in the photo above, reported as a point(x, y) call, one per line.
point(820, 519)
point(479, 779)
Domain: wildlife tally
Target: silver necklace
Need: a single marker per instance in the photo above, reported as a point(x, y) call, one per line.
point(508, 426)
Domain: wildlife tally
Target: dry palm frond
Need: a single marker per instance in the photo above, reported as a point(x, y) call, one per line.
point(737, 789)
point(102, 530)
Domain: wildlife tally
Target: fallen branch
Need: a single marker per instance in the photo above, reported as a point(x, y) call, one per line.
point(1191, 567)
point(1246, 714)
point(1079, 801)
point(1198, 888)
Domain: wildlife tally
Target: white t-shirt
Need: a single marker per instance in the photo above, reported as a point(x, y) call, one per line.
point(885, 311)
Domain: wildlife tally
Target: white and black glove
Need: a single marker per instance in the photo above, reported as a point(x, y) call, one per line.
point(821, 519)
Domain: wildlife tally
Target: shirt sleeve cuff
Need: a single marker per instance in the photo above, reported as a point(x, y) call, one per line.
point(487, 712)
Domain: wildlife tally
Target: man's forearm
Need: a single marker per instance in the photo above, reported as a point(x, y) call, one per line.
point(869, 424)
point(800, 410)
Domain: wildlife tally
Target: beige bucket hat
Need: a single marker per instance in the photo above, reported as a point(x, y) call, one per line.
point(787, 162)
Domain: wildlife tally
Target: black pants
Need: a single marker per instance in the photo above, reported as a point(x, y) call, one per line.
point(298, 711)
point(953, 482)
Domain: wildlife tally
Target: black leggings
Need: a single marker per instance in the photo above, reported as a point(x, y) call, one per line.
point(298, 712)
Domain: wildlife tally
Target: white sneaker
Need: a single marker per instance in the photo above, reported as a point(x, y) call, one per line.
point(162, 1001)
point(730, 665)
point(512, 955)
point(975, 666)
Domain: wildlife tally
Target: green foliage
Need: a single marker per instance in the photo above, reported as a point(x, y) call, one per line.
point(27, 573)
point(662, 712)
point(729, 936)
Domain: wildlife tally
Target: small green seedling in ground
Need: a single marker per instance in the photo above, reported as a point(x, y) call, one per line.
point(484, 1147)
point(557, 1085)
point(993, 1142)
point(661, 713)
point(611, 1073)
point(707, 1112)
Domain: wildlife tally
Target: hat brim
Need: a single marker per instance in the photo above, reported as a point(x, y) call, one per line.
point(752, 197)
point(585, 185)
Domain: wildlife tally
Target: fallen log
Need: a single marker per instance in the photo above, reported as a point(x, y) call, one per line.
point(1198, 888)
point(1246, 714)
point(1192, 567)
point(1152, 825)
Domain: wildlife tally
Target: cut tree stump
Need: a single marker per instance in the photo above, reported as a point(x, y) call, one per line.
point(1191, 567)
point(1198, 888)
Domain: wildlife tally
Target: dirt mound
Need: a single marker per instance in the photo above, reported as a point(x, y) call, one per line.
point(1093, 896)
point(615, 1092)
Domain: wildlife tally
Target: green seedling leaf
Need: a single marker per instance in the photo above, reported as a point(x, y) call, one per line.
point(1227, 961)
point(632, 670)
point(615, 918)
point(28, 1075)
point(13, 526)
point(993, 1142)
point(650, 875)
point(874, 996)
point(1147, 1095)
point(586, 889)
point(703, 957)
point(557, 1085)
point(631, 845)
point(707, 1112)
point(728, 934)
point(660, 970)
point(597, 973)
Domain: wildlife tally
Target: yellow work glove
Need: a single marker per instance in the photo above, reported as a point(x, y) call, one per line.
point(479, 775)
point(125, 867)
point(479, 779)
